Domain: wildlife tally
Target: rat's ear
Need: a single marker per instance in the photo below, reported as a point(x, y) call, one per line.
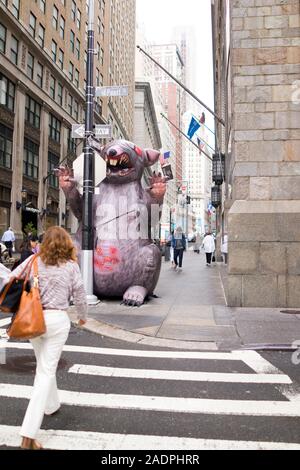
point(151, 156)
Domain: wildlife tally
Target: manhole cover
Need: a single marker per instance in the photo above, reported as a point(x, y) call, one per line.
point(291, 312)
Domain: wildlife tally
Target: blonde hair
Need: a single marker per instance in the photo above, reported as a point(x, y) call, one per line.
point(57, 247)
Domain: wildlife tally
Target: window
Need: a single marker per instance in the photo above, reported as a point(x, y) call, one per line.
point(73, 11)
point(39, 75)
point(30, 65)
point(41, 36)
point(97, 77)
point(54, 50)
point(55, 17)
point(78, 19)
point(52, 87)
point(61, 56)
point(32, 112)
point(6, 145)
point(32, 24)
point(70, 104)
point(98, 51)
point(15, 8)
point(78, 49)
point(42, 5)
point(72, 41)
point(71, 142)
point(76, 79)
point(31, 159)
point(54, 128)
point(4, 2)
point(62, 27)
point(60, 94)
point(76, 110)
point(7, 93)
point(53, 162)
point(14, 48)
point(2, 38)
point(71, 71)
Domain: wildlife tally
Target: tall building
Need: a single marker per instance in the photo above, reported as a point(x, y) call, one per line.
point(42, 76)
point(168, 55)
point(257, 56)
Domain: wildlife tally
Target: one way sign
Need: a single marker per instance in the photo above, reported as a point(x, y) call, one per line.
point(78, 131)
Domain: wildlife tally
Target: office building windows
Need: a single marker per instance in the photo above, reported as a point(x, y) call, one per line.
point(72, 41)
point(52, 87)
point(60, 94)
point(62, 26)
point(32, 24)
point(6, 146)
point(76, 78)
point(14, 49)
point(71, 71)
point(41, 36)
point(54, 128)
point(76, 110)
point(73, 10)
point(2, 38)
point(54, 50)
point(55, 17)
point(77, 49)
point(42, 4)
point(15, 8)
point(31, 159)
point(53, 162)
point(32, 112)
point(30, 65)
point(70, 104)
point(7, 93)
point(39, 74)
point(78, 18)
point(61, 56)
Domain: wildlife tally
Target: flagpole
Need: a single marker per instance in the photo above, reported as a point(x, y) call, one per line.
point(172, 124)
point(183, 86)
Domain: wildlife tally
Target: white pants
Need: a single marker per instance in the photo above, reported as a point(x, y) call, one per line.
point(47, 349)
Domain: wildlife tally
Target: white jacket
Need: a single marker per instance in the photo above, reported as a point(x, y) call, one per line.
point(209, 244)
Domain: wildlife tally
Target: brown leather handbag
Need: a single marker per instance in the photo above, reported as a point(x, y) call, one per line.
point(29, 322)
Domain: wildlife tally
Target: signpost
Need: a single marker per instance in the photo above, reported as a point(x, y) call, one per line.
point(111, 90)
point(103, 131)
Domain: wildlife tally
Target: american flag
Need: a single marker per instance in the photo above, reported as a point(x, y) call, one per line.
point(200, 144)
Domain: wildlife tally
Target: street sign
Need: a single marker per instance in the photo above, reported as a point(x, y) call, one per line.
point(104, 131)
point(78, 131)
point(111, 90)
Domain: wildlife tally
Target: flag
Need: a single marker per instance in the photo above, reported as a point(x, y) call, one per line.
point(167, 155)
point(193, 127)
point(200, 144)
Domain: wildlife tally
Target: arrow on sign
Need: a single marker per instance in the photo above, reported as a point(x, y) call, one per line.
point(78, 131)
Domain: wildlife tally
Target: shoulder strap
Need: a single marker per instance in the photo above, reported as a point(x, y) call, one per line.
point(8, 285)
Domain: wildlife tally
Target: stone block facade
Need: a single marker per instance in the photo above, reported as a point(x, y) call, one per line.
point(264, 219)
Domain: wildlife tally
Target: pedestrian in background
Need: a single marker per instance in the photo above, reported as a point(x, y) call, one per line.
point(209, 247)
point(8, 238)
point(197, 243)
point(224, 247)
point(179, 246)
point(59, 280)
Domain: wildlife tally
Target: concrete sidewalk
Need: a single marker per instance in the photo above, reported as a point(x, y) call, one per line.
point(191, 313)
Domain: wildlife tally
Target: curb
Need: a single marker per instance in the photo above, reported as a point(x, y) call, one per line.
point(104, 329)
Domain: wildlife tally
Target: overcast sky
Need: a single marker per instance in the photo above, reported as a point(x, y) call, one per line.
point(159, 17)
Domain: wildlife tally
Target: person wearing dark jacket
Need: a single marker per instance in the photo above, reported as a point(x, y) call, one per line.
point(179, 245)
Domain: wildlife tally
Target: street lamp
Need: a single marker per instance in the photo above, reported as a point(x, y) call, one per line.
point(218, 168)
point(216, 196)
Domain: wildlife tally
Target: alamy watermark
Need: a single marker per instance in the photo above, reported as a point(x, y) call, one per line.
point(296, 92)
point(296, 353)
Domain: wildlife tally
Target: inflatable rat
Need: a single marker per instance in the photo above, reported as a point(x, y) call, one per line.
point(126, 261)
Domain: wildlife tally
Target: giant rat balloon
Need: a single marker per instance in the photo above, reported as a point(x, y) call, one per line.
point(126, 261)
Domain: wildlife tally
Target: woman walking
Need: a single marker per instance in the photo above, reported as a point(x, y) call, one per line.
point(209, 247)
point(59, 280)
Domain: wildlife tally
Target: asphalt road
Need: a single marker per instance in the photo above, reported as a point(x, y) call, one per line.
point(125, 396)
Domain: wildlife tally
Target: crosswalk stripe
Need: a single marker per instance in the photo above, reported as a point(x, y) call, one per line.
point(83, 440)
point(4, 322)
point(251, 358)
point(165, 404)
point(179, 375)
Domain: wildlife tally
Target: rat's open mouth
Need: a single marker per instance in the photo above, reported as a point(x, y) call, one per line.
point(118, 165)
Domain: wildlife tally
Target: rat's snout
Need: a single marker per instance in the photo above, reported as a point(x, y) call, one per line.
point(112, 152)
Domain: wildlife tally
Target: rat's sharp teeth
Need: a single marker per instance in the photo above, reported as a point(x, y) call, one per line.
point(113, 162)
